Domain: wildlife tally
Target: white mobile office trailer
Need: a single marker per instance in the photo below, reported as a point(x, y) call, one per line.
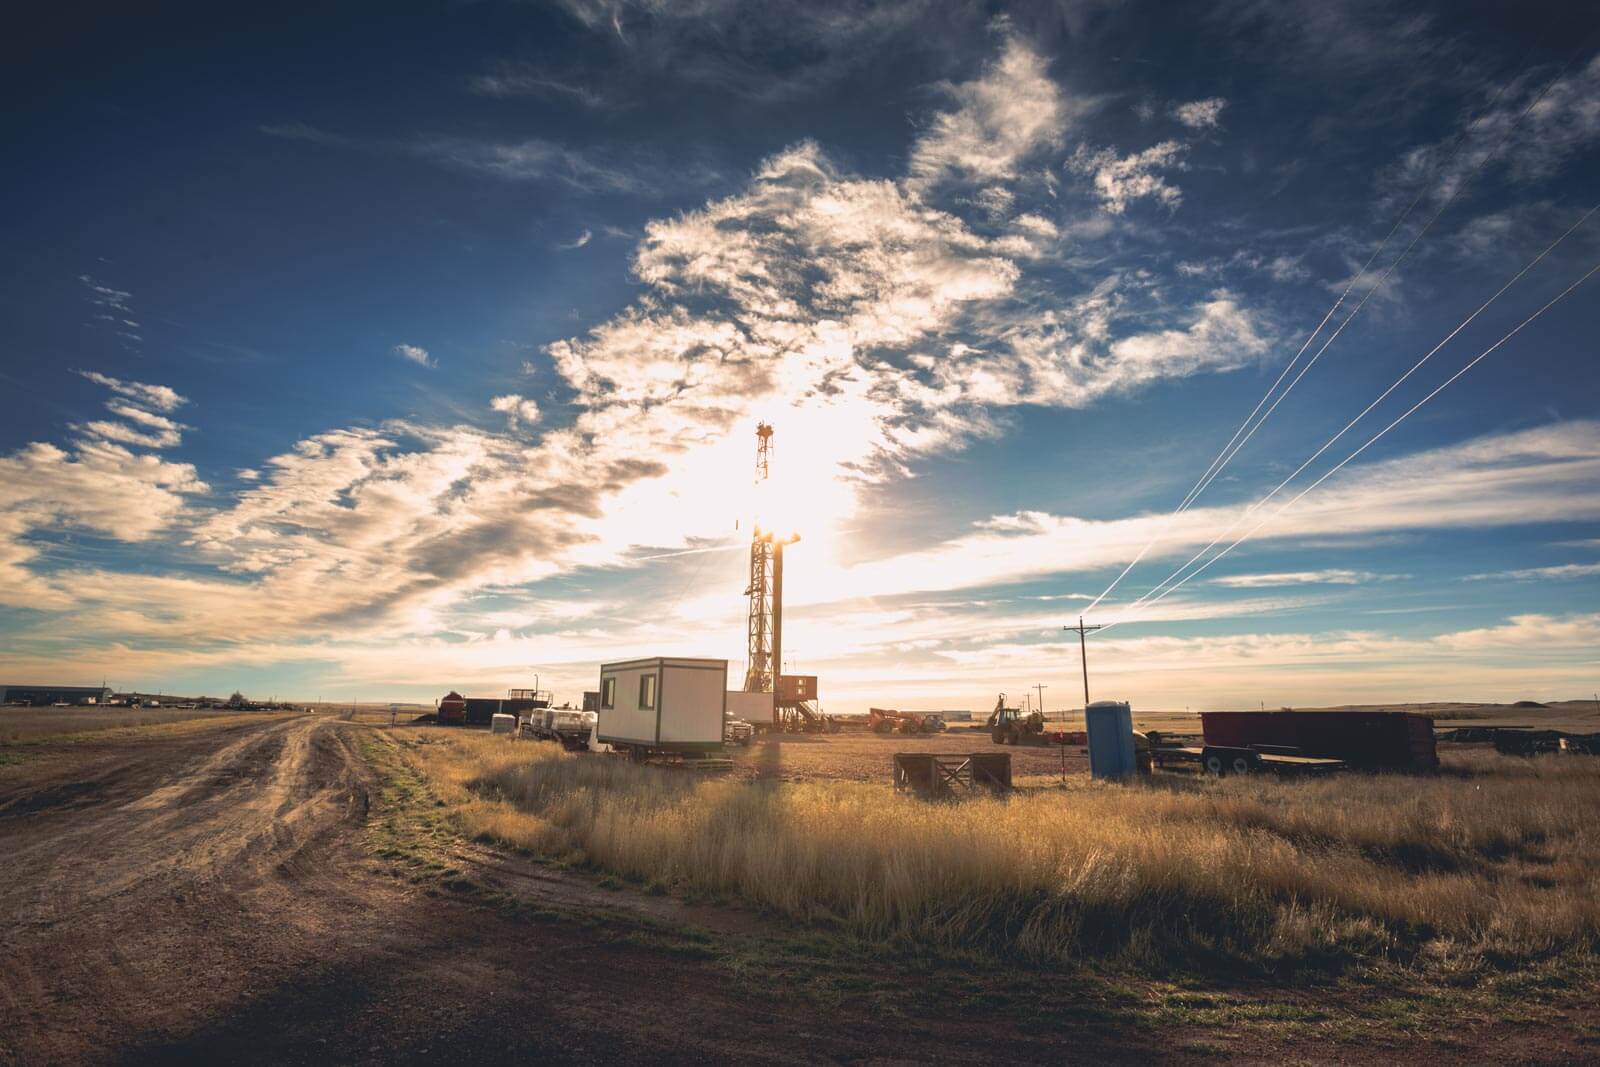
point(664, 704)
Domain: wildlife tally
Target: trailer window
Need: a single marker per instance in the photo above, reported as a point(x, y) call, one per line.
point(608, 693)
point(647, 692)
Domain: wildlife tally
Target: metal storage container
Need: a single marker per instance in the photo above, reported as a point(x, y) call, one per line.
point(1372, 740)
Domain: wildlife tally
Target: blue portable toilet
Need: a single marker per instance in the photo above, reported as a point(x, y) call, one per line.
point(1110, 728)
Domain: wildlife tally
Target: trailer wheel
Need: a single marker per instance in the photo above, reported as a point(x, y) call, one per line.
point(1241, 765)
point(1215, 765)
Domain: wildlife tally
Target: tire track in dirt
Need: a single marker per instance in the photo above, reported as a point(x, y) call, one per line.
point(165, 887)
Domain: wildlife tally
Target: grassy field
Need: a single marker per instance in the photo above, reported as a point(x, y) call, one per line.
point(26, 726)
point(1491, 866)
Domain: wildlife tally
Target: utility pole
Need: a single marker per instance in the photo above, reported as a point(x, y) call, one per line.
point(1041, 689)
point(1083, 651)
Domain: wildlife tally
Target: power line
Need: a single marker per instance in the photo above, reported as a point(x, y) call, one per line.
point(1234, 444)
point(1365, 411)
point(1371, 440)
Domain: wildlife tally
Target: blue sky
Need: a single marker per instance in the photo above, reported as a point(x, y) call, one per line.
point(370, 355)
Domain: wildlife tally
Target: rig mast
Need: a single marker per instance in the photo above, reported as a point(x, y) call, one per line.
point(766, 611)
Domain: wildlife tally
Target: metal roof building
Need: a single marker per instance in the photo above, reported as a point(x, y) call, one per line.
point(54, 694)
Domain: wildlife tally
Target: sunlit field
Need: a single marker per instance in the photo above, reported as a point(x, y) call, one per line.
point(26, 725)
point(1494, 863)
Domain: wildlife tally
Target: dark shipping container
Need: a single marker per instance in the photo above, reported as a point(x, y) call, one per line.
point(1374, 740)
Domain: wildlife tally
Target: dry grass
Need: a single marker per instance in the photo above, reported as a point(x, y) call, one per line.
point(1494, 863)
point(31, 729)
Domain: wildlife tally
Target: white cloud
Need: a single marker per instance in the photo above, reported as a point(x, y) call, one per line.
point(1530, 137)
point(509, 80)
point(527, 160)
point(160, 397)
point(1120, 180)
point(98, 485)
point(578, 242)
point(415, 354)
point(1561, 572)
point(105, 296)
point(530, 160)
point(1004, 116)
point(1200, 114)
point(517, 409)
point(1322, 577)
point(1545, 475)
point(129, 435)
point(1071, 357)
point(864, 320)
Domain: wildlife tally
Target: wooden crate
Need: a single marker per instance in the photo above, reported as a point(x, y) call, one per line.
point(934, 774)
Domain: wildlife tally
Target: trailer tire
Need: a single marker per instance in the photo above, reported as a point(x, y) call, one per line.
point(1241, 765)
point(1216, 765)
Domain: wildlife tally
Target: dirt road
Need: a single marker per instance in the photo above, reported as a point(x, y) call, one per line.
point(210, 898)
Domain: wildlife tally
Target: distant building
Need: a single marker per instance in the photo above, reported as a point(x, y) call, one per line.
point(38, 695)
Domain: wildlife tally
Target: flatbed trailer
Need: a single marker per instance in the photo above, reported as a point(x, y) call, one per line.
point(1223, 760)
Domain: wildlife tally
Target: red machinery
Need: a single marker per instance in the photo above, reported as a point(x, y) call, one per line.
point(453, 709)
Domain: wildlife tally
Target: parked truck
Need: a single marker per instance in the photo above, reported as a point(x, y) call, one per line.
point(571, 728)
point(664, 706)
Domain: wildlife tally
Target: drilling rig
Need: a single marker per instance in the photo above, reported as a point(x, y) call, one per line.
point(794, 704)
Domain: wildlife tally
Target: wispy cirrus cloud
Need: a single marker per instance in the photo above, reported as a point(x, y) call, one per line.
point(1334, 576)
point(160, 397)
point(524, 79)
point(577, 242)
point(1544, 475)
point(415, 354)
point(1560, 572)
point(106, 297)
point(1531, 128)
point(528, 159)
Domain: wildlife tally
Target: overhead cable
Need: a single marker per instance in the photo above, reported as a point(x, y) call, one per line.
point(1367, 444)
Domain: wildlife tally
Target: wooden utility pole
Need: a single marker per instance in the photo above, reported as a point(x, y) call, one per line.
point(1041, 689)
point(1083, 651)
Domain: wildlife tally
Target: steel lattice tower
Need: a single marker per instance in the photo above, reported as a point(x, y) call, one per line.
point(760, 677)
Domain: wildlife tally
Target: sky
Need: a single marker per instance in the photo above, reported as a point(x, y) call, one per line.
point(367, 354)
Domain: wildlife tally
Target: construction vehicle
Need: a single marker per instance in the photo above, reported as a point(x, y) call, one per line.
point(452, 709)
point(1010, 726)
point(889, 721)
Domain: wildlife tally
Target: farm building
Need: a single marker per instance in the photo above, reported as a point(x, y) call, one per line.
point(38, 695)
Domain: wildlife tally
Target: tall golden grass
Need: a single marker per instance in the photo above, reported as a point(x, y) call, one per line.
point(1495, 862)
